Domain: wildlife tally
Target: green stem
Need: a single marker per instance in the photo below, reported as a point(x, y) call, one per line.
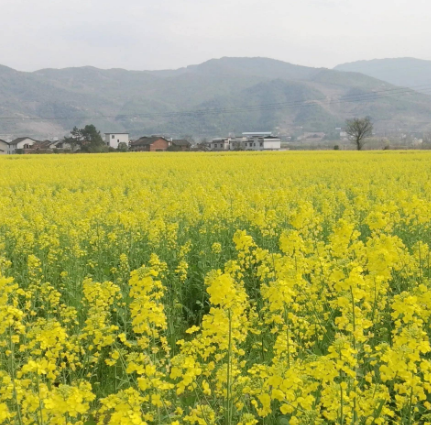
point(15, 394)
point(286, 319)
point(229, 355)
point(341, 406)
point(355, 414)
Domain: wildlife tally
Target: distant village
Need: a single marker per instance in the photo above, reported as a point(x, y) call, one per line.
point(257, 141)
point(248, 141)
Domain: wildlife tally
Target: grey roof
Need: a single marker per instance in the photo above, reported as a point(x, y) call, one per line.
point(44, 144)
point(181, 142)
point(116, 132)
point(20, 139)
point(145, 141)
point(4, 141)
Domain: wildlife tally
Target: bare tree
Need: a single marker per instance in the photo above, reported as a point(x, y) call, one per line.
point(358, 130)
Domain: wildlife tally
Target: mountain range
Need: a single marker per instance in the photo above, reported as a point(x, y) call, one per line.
point(405, 72)
point(211, 99)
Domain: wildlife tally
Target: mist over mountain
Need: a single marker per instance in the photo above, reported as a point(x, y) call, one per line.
point(406, 72)
point(210, 99)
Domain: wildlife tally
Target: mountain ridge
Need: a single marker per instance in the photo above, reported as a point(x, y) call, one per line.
point(245, 91)
point(407, 72)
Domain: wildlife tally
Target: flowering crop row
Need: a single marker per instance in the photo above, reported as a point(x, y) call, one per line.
point(253, 288)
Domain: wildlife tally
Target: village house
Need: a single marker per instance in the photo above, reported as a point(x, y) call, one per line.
point(21, 143)
point(259, 141)
point(267, 143)
point(113, 140)
point(50, 146)
point(44, 146)
point(220, 144)
point(149, 144)
point(29, 145)
point(237, 143)
point(180, 145)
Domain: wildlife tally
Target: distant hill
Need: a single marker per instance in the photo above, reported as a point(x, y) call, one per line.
point(210, 99)
point(406, 72)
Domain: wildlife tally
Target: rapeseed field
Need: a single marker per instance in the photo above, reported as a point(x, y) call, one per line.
point(225, 288)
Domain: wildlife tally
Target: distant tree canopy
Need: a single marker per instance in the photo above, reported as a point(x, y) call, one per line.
point(88, 139)
point(122, 147)
point(358, 130)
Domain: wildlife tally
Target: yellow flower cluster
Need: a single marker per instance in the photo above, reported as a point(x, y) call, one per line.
point(201, 289)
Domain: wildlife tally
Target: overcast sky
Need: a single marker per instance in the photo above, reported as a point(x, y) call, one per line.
point(161, 34)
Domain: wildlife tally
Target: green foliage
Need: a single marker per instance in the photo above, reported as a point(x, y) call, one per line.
point(88, 139)
point(122, 147)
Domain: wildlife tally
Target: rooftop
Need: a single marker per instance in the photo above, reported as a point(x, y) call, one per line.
point(20, 139)
point(147, 140)
point(181, 142)
point(258, 133)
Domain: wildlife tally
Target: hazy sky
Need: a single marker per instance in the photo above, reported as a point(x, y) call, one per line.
point(160, 34)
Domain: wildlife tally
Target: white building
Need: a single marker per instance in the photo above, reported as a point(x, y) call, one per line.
point(237, 143)
point(114, 139)
point(21, 143)
point(260, 141)
point(268, 143)
point(220, 144)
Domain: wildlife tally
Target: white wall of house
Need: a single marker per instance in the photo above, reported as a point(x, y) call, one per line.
point(237, 143)
point(23, 144)
point(250, 144)
point(255, 143)
point(220, 144)
point(4, 147)
point(114, 139)
point(271, 144)
point(262, 144)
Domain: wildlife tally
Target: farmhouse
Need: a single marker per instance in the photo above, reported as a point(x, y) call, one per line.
point(261, 141)
point(21, 143)
point(220, 144)
point(238, 143)
point(29, 145)
point(113, 140)
point(149, 144)
point(265, 143)
point(50, 146)
point(45, 146)
point(249, 141)
point(180, 145)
